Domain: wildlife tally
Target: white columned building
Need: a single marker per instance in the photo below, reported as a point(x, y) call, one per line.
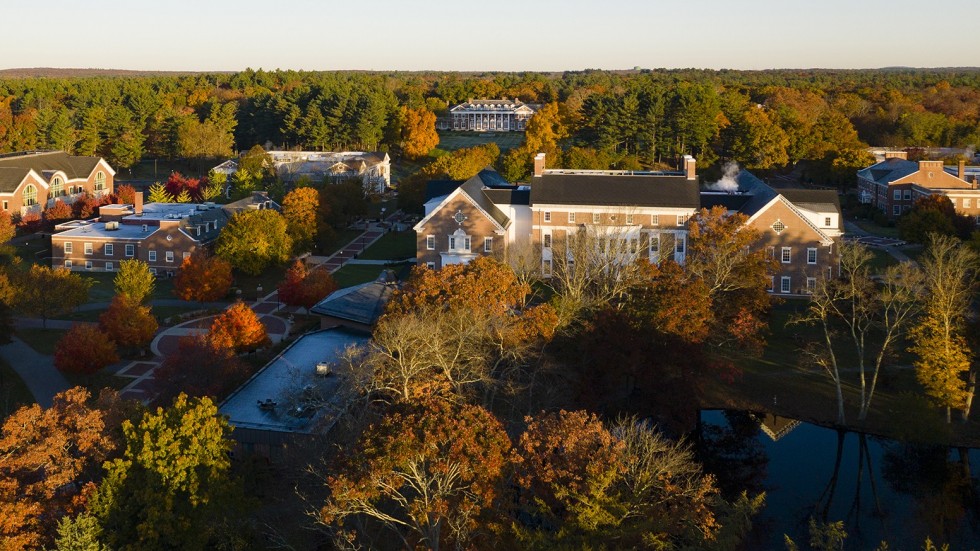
point(492, 115)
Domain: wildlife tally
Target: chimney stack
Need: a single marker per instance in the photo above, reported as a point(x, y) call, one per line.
point(138, 203)
point(538, 165)
point(689, 165)
point(961, 170)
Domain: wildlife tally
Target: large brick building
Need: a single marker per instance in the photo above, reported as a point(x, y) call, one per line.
point(895, 183)
point(160, 234)
point(33, 180)
point(642, 213)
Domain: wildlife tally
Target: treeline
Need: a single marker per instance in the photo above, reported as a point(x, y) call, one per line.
point(760, 118)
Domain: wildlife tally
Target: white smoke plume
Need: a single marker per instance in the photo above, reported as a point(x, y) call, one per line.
point(728, 181)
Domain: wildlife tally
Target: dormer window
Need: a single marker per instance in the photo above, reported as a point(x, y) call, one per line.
point(459, 241)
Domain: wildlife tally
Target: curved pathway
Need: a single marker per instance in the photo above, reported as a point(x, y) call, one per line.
point(36, 369)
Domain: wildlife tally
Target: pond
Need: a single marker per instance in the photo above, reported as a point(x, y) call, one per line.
point(883, 490)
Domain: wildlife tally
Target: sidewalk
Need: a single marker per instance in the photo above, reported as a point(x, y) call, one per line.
point(349, 252)
point(36, 369)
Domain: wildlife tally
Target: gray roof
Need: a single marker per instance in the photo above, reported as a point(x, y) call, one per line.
point(475, 189)
point(889, 170)
point(11, 177)
point(440, 188)
point(14, 166)
point(511, 196)
point(361, 303)
point(615, 190)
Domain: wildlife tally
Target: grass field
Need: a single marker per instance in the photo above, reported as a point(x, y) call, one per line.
point(43, 341)
point(451, 141)
point(13, 391)
point(875, 229)
point(103, 288)
point(355, 274)
point(391, 246)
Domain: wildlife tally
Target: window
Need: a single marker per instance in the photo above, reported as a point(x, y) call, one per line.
point(679, 244)
point(547, 240)
point(826, 221)
point(6, 205)
point(811, 285)
point(185, 255)
point(68, 247)
point(629, 219)
point(596, 218)
point(571, 218)
point(897, 195)
point(430, 265)
point(151, 256)
point(170, 256)
point(655, 219)
point(30, 195)
point(784, 284)
point(130, 249)
point(153, 271)
point(88, 264)
point(88, 248)
point(68, 264)
point(786, 255)
point(547, 216)
point(109, 267)
point(811, 256)
point(772, 284)
point(109, 249)
point(770, 252)
point(966, 202)
point(430, 242)
point(907, 194)
point(466, 243)
point(487, 244)
point(778, 227)
point(99, 181)
point(57, 187)
point(654, 244)
point(547, 267)
point(681, 219)
point(896, 210)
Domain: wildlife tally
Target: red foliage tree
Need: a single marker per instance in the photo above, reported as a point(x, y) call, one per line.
point(305, 288)
point(48, 461)
point(30, 221)
point(128, 322)
point(201, 366)
point(238, 328)
point(57, 212)
point(84, 349)
point(125, 194)
point(203, 278)
point(85, 206)
point(7, 228)
point(178, 183)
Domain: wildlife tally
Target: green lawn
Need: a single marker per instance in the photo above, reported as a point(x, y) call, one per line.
point(391, 246)
point(875, 229)
point(355, 274)
point(42, 341)
point(13, 391)
point(881, 260)
point(336, 241)
point(103, 288)
point(451, 141)
point(268, 279)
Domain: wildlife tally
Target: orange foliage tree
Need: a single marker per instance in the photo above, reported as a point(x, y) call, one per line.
point(125, 194)
point(418, 132)
point(57, 212)
point(485, 285)
point(84, 349)
point(128, 323)
point(305, 288)
point(238, 328)
point(49, 459)
point(7, 228)
point(203, 278)
point(427, 473)
point(301, 209)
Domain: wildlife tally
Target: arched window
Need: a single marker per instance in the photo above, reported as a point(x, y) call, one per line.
point(57, 187)
point(30, 195)
point(99, 181)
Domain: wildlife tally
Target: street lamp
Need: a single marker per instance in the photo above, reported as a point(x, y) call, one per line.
point(258, 293)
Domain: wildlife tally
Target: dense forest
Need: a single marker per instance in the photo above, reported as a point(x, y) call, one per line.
point(593, 119)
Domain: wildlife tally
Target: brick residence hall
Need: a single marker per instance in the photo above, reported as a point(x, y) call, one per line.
point(486, 215)
point(160, 234)
point(33, 180)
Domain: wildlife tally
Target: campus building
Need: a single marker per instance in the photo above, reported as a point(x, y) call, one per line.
point(160, 234)
point(894, 184)
point(638, 214)
point(31, 181)
point(372, 168)
point(490, 115)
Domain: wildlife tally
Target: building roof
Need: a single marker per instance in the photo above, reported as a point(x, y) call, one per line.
point(514, 195)
point(361, 303)
point(84, 229)
point(476, 187)
point(14, 167)
point(440, 188)
point(502, 105)
point(282, 384)
point(564, 188)
point(888, 170)
point(11, 177)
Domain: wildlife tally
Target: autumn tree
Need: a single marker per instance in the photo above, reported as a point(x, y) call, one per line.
point(173, 486)
point(939, 342)
point(303, 287)
point(134, 280)
point(158, 194)
point(84, 349)
point(48, 292)
point(239, 328)
point(254, 240)
point(426, 474)
point(933, 214)
point(301, 209)
point(49, 459)
point(128, 323)
point(201, 366)
point(7, 227)
point(756, 141)
point(418, 132)
point(57, 212)
point(126, 194)
point(203, 278)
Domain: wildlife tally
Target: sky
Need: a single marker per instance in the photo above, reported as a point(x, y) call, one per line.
point(504, 35)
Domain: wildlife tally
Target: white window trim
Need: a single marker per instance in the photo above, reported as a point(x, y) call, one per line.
point(571, 217)
point(629, 219)
point(68, 264)
point(546, 240)
point(108, 249)
point(786, 255)
point(87, 247)
point(680, 244)
point(547, 216)
point(897, 195)
point(596, 218)
point(430, 242)
point(811, 251)
point(654, 219)
point(88, 264)
point(430, 265)
point(488, 244)
point(130, 250)
point(151, 256)
point(811, 285)
point(785, 284)
point(68, 247)
point(169, 256)
point(109, 267)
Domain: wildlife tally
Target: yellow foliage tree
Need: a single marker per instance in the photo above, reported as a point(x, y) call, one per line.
point(418, 132)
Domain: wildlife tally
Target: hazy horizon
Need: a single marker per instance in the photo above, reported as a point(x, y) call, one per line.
point(535, 35)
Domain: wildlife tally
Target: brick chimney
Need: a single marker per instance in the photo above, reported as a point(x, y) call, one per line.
point(689, 165)
point(138, 203)
point(961, 170)
point(896, 155)
point(538, 165)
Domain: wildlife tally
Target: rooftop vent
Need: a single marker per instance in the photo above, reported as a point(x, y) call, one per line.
point(111, 226)
point(323, 369)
